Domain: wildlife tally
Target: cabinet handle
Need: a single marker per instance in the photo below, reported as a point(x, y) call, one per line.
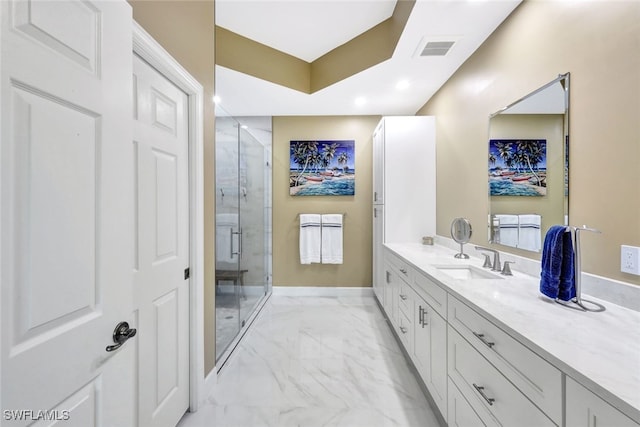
point(403, 297)
point(403, 271)
point(388, 276)
point(403, 329)
point(423, 317)
point(484, 341)
point(480, 390)
point(375, 196)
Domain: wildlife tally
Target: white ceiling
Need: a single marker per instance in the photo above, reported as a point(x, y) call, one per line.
point(309, 28)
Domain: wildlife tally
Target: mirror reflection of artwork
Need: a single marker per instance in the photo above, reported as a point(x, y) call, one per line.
point(322, 168)
point(539, 118)
point(517, 167)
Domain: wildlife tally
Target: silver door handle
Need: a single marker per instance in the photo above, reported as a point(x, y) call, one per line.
point(423, 317)
point(231, 243)
point(484, 341)
point(239, 242)
point(480, 390)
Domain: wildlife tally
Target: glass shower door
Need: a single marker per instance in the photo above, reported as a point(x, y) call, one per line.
point(253, 222)
point(228, 237)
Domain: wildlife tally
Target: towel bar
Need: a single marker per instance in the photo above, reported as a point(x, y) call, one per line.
point(343, 215)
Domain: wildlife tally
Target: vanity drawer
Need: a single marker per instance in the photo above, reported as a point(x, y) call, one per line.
point(405, 299)
point(486, 389)
point(461, 413)
point(401, 268)
point(536, 378)
point(405, 331)
point(431, 293)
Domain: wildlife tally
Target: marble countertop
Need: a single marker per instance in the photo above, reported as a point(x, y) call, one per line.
point(600, 350)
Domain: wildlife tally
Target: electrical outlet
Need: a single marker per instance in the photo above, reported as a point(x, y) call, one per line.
point(630, 259)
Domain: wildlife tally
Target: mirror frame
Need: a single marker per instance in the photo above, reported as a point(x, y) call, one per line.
point(564, 80)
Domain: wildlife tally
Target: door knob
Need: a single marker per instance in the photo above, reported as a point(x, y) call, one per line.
point(121, 334)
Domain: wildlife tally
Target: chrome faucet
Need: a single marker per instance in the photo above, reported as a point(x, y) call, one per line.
point(496, 258)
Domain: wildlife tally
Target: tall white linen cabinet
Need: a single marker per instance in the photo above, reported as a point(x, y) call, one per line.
point(404, 186)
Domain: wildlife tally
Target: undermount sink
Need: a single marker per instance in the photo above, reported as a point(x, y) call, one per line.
point(466, 272)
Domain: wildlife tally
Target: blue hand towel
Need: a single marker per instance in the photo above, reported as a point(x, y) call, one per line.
point(567, 276)
point(556, 277)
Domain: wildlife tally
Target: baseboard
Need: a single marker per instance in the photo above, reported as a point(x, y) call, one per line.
point(210, 382)
point(322, 291)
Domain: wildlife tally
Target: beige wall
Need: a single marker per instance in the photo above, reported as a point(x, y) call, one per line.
point(356, 270)
point(597, 42)
point(186, 30)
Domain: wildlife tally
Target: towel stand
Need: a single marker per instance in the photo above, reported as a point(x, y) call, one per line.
point(577, 272)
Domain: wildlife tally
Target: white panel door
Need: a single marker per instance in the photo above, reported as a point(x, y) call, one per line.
point(161, 289)
point(66, 212)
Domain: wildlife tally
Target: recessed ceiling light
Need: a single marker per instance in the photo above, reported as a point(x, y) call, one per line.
point(402, 84)
point(244, 127)
point(361, 100)
point(216, 99)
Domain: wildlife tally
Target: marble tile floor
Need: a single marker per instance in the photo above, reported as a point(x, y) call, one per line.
point(316, 361)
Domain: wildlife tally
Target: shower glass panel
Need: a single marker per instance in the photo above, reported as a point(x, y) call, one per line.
point(227, 306)
point(243, 223)
point(253, 262)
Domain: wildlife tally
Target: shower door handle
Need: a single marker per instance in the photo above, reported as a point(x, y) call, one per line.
point(238, 233)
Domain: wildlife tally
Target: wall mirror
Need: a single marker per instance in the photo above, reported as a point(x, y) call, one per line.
point(529, 167)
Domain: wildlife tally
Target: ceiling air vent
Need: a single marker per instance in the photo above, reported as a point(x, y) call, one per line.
point(436, 48)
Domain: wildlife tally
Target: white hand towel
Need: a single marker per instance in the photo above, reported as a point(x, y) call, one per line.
point(508, 230)
point(310, 238)
point(530, 237)
point(225, 224)
point(332, 239)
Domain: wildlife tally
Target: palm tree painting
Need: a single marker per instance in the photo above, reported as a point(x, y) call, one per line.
point(322, 168)
point(518, 167)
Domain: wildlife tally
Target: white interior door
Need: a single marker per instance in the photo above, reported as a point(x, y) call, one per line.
point(161, 287)
point(66, 212)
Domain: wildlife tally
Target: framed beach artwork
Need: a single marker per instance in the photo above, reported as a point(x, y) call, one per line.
point(518, 167)
point(322, 168)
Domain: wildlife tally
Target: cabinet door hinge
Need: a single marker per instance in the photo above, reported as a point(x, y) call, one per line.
point(187, 273)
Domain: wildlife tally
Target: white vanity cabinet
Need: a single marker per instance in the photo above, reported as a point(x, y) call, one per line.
point(378, 264)
point(430, 337)
point(461, 413)
point(481, 361)
point(421, 327)
point(429, 351)
point(585, 409)
point(487, 390)
point(391, 288)
point(534, 377)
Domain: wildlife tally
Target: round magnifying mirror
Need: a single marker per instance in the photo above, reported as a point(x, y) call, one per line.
point(461, 233)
